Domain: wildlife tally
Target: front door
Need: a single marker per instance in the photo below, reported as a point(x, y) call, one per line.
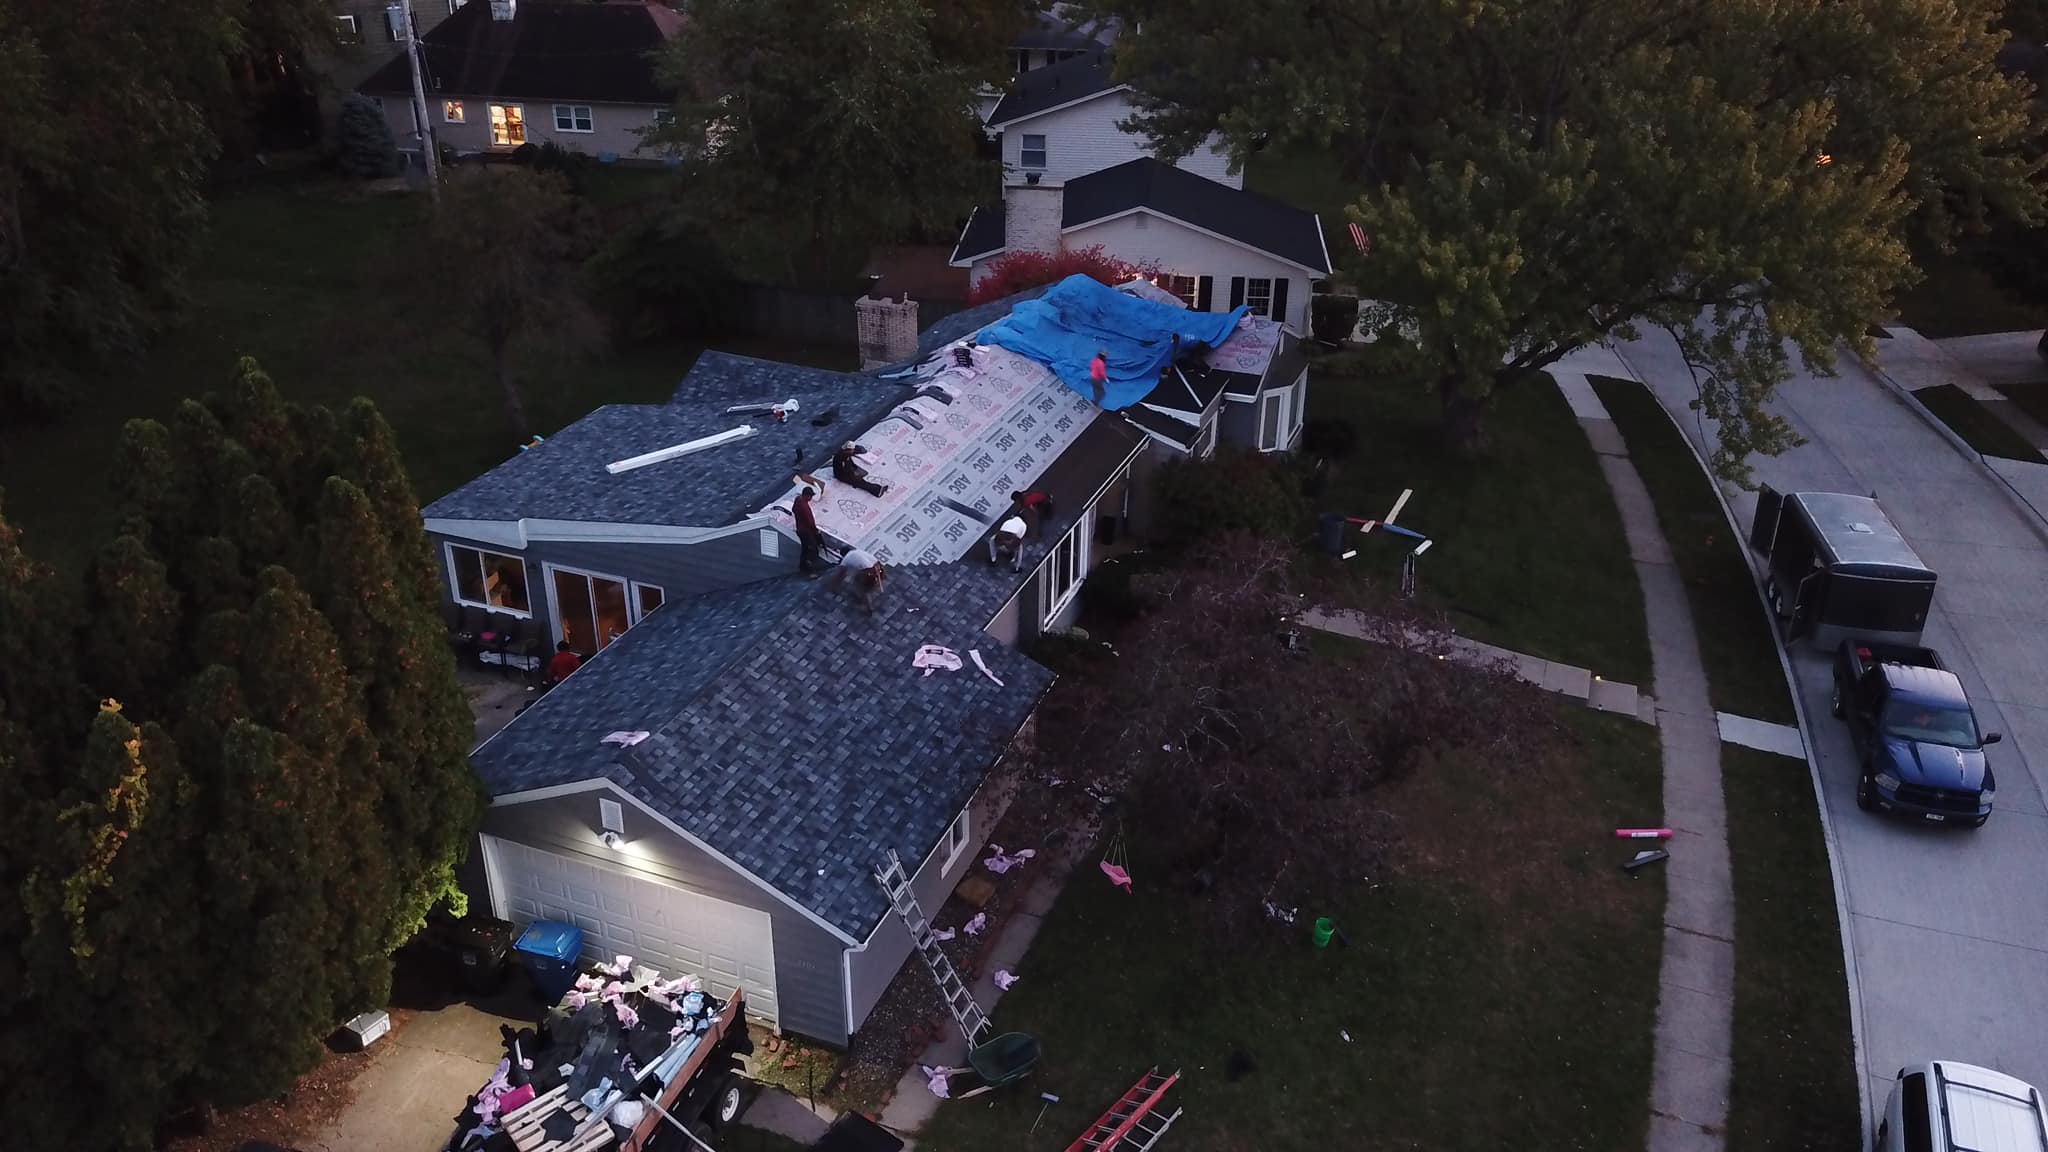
point(590, 610)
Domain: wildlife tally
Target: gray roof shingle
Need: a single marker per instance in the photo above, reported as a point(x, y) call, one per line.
point(1249, 218)
point(1086, 75)
point(564, 478)
point(789, 731)
point(548, 50)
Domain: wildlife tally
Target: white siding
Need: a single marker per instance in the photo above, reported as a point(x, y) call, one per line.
point(613, 126)
point(1180, 251)
point(1085, 138)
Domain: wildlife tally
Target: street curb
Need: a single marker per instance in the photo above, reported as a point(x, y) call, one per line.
point(1820, 800)
point(2032, 515)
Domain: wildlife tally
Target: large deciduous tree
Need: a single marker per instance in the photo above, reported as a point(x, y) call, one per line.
point(508, 243)
point(215, 860)
point(1538, 175)
point(822, 127)
point(112, 108)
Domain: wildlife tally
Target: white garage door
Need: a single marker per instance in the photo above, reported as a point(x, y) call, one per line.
point(630, 914)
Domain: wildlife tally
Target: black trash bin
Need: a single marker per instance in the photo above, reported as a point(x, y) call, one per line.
point(1330, 532)
point(481, 949)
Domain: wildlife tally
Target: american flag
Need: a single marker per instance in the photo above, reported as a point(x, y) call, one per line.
point(1358, 239)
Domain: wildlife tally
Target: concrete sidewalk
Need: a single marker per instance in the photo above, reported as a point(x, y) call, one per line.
point(1696, 980)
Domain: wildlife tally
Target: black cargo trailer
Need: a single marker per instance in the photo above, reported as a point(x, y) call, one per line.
point(1838, 567)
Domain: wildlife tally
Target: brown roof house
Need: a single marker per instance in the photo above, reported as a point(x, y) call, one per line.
point(502, 73)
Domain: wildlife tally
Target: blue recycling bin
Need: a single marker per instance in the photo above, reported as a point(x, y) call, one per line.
point(549, 949)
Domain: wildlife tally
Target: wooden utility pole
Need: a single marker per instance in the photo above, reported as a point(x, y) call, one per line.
point(429, 151)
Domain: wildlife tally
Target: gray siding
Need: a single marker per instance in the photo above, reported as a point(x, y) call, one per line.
point(808, 980)
point(679, 570)
point(873, 967)
point(1240, 424)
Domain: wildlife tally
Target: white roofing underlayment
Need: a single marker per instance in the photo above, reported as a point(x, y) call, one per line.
point(949, 467)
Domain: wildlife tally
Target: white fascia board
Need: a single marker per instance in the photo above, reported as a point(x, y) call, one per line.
point(520, 533)
point(1171, 219)
point(1171, 414)
point(999, 125)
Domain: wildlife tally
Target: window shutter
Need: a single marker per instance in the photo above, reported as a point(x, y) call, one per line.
point(1280, 299)
point(1237, 291)
point(1205, 294)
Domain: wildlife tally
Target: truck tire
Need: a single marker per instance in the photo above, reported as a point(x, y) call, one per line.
point(1772, 598)
point(728, 1100)
point(1866, 793)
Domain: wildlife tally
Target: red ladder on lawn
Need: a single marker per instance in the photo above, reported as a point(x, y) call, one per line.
point(1132, 1124)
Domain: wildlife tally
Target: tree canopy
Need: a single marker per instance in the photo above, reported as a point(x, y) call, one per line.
point(112, 110)
point(1539, 175)
point(247, 788)
point(816, 128)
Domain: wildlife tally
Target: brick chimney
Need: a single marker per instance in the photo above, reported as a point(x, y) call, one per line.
point(504, 9)
point(1031, 217)
point(888, 330)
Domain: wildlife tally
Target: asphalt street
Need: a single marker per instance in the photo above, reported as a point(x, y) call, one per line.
point(1948, 928)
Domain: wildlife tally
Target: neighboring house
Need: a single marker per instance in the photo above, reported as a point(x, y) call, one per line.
point(1054, 35)
point(712, 790)
point(1215, 246)
point(502, 73)
point(368, 32)
point(1066, 120)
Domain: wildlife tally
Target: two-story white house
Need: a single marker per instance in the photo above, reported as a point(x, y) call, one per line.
point(1073, 177)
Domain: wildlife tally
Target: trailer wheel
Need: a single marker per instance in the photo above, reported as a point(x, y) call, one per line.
point(1866, 793)
point(1835, 702)
point(1772, 598)
point(726, 1103)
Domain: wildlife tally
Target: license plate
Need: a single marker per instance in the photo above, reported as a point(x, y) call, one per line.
point(1934, 816)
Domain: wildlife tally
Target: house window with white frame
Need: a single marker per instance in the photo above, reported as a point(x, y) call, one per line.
point(508, 125)
point(453, 5)
point(1020, 60)
point(650, 597)
point(347, 31)
point(956, 839)
point(394, 23)
point(1258, 296)
point(573, 118)
point(1031, 151)
point(490, 580)
point(452, 111)
point(1273, 435)
point(1188, 288)
point(1060, 576)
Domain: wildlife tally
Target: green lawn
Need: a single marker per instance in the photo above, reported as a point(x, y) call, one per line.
point(1959, 297)
point(1978, 427)
point(1499, 990)
point(1528, 550)
point(1743, 673)
point(315, 280)
point(1794, 1087)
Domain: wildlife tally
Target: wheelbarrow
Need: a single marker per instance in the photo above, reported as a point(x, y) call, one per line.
point(1003, 1060)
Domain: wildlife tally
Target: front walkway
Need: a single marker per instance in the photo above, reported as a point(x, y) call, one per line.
point(1696, 983)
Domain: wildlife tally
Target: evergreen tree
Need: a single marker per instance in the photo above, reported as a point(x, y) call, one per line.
point(362, 137)
point(216, 863)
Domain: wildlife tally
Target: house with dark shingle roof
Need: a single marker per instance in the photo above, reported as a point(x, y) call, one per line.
point(1075, 177)
point(712, 789)
point(502, 73)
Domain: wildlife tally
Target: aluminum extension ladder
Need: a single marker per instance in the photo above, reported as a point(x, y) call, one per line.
point(958, 997)
point(1133, 1123)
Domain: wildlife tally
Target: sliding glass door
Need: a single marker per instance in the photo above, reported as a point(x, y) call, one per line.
point(592, 610)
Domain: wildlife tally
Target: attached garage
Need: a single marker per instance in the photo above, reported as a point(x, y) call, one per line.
point(631, 914)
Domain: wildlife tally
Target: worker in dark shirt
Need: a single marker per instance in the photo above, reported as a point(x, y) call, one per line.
point(807, 533)
point(847, 469)
point(565, 661)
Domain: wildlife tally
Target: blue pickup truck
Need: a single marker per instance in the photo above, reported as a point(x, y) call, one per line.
point(1917, 740)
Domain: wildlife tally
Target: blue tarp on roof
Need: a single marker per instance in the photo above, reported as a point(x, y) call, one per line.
point(1078, 317)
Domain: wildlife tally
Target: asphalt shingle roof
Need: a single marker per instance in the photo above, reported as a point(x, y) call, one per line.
point(564, 478)
point(582, 51)
point(1086, 75)
point(1247, 217)
point(789, 731)
point(983, 235)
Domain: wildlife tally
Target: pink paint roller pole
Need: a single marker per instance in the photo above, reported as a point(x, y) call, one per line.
point(1642, 833)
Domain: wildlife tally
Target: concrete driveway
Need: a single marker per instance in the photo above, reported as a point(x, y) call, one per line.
point(1948, 929)
point(406, 1100)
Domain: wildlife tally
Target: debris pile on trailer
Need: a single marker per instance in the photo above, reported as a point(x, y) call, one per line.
point(616, 1059)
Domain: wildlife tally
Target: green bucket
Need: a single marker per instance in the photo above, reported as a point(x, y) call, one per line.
point(1325, 928)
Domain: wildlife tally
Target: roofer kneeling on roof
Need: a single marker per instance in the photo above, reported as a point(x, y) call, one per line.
point(868, 574)
point(1008, 542)
point(848, 470)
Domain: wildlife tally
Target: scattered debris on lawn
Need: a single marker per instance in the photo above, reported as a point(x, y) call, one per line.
point(1645, 858)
